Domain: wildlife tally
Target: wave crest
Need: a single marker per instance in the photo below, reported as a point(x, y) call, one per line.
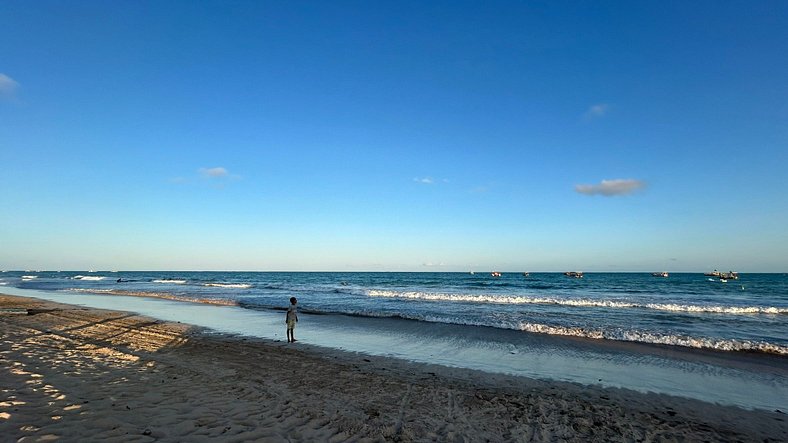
point(229, 285)
point(660, 339)
point(523, 300)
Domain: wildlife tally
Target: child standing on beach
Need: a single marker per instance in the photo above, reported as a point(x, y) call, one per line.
point(291, 319)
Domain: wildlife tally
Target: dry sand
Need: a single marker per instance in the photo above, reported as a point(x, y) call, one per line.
point(75, 374)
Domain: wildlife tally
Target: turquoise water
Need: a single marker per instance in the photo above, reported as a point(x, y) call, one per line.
point(683, 335)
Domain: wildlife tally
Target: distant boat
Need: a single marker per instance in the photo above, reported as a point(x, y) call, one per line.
point(574, 274)
point(495, 274)
point(526, 274)
point(472, 272)
point(660, 274)
point(729, 275)
point(723, 275)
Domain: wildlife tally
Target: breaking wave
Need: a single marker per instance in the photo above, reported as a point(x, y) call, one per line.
point(229, 285)
point(661, 339)
point(88, 277)
point(523, 300)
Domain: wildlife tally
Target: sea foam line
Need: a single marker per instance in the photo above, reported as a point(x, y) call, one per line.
point(88, 277)
point(168, 281)
point(522, 300)
point(731, 345)
point(661, 339)
point(229, 285)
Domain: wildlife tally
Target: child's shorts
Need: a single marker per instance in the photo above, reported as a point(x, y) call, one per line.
point(291, 324)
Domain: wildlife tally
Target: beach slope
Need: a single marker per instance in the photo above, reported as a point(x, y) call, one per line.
point(69, 373)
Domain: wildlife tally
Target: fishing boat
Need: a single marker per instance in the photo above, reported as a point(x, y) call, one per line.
point(495, 274)
point(660, 274)
point(574, 274)
point(723, 275)
point(526, 274)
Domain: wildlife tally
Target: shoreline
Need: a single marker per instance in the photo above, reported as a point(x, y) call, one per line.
point(84, 373)
point(747, 380)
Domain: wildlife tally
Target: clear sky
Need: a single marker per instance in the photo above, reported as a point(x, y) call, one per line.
point(415, 136)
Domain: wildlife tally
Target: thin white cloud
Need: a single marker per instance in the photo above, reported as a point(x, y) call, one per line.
point(598, 110)
point(8, 86)
point(424, 180)
point(214, 172)
point(216, 176)
point(612, 188)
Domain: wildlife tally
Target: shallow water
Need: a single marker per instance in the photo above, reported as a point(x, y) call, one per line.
point(686, 310)
point(750, 380)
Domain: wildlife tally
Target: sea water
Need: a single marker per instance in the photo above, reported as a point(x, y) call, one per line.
point(687, 334)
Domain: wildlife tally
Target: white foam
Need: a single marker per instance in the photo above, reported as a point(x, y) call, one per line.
point(663, 339)
point(617, 335)
point(229, 285)
point(89, 278)
point(173, 282)
point(29, 277)
point(507, 299)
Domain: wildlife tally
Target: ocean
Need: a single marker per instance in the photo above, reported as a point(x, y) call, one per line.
point(544, 325)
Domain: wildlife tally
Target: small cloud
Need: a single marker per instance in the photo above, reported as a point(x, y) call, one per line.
point(213, 172)
point(8, 86)
point(598, 110)
point(178, 180)
point(432, 265)
point(217, 176)
point(611, 188)
point(424, 180)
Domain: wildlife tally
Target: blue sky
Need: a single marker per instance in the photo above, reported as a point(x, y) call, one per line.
point(416, 136)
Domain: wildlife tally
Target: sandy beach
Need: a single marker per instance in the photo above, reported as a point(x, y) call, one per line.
point(70, 373)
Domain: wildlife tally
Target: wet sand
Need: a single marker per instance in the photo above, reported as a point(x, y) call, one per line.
point(70, 373)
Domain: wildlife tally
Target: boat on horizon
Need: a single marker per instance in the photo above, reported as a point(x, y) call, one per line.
point(660, 274)
point(730, 275)
point(495, 274)
point(574, 274)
